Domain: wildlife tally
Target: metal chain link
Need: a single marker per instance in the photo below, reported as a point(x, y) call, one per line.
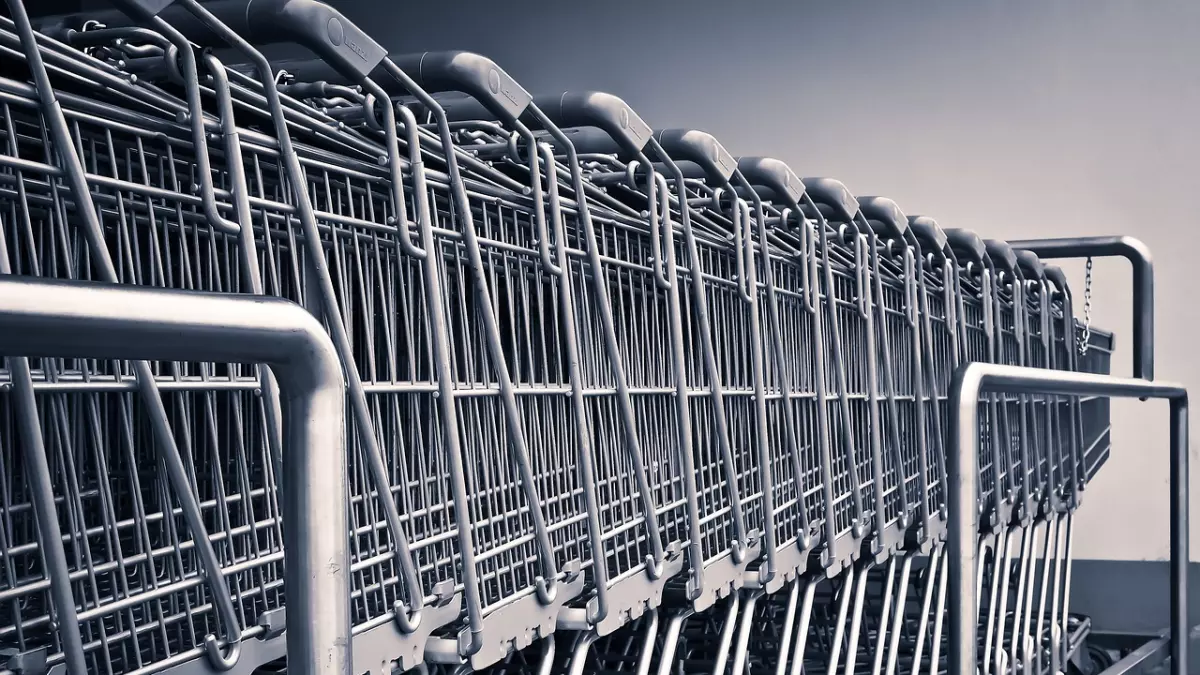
point(1086, 337)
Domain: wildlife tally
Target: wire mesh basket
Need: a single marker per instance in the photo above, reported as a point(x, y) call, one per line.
point(617, 401)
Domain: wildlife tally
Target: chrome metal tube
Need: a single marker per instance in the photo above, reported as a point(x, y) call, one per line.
point(43, 318)
point(970, 382)
point(1138, 256)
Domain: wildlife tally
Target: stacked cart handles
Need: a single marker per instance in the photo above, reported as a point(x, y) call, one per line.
point(610, 388)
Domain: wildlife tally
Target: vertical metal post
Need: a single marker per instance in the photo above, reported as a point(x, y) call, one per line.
point(963, 495)
point(42, 318)
point(1180, 557)
point(970, 382)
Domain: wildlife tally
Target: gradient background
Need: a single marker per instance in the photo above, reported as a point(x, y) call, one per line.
point(1017, 119)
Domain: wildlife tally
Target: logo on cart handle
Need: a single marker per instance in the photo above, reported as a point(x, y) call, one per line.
point(504, 86)
point(337, 35)
point(336, 32)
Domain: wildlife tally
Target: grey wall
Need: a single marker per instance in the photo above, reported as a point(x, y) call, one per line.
point(1017, 119)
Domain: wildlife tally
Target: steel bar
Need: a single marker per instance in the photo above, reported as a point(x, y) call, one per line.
point(1138, 256)
point(43, 318)
point(972, 380)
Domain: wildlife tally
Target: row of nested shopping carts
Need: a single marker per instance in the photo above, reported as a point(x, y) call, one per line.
point(616, 401)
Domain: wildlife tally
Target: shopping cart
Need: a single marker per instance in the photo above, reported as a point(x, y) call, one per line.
point(725, 404)
point(580, 356)
point(606, 234)
point(511, 560)
point(162, 472)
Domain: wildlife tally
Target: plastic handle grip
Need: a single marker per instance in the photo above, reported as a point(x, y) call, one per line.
point(315, 25)
point(1056, 276)
point(691, 169)
point(592, 141)
point(926, 229)
point(309, 23)
point(699, 147)
point(1001, 253)
point(1031, 263)
point(774, 175)
point(597, 109)
point(967, 243)
point(885, 216)
point(833, 194)
point(471, 74)
point(460, 108)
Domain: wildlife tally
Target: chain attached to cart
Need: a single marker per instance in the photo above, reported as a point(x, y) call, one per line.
point(1087, 310)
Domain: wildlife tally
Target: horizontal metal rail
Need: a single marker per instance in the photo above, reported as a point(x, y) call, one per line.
point(1138, 256)
point(974, 379)
point(71, 319)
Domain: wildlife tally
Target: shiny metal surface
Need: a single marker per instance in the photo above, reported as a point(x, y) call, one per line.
point(43, 318)
point(617, 401)
point(975, 379)
point(1139, 259)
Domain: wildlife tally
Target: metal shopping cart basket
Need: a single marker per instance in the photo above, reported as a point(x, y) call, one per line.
point(600, 380)
point(162, 473)
point(364, 256)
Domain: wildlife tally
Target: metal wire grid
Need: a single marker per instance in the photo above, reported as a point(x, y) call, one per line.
point(726, 485)
point(135, 567)
point(641, 311)
point(341, 193)
point(732, 335)
point(529, 328)
point(1055, 435)
point(977, 331)
point(135, 574)
point(1094, 412)
point(850, 416)
point(938, 287)
point(1013, 464)
point(642, 305)
point(896, 334)
point(512, 266)
point(1047, 451)
point(798, 494)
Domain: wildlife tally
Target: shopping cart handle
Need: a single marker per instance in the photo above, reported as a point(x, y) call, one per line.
point(700, 147)
point(471, 74)
point(1057, 277)
point(926, 229)
point(774, 175)
point(1031, 264)
point(833, 194)
point(457, 106)
point(1001, 253)
point(884, 216)
point(309, 23)
point(966, 243)
point(597, 109)
point(594, 141)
